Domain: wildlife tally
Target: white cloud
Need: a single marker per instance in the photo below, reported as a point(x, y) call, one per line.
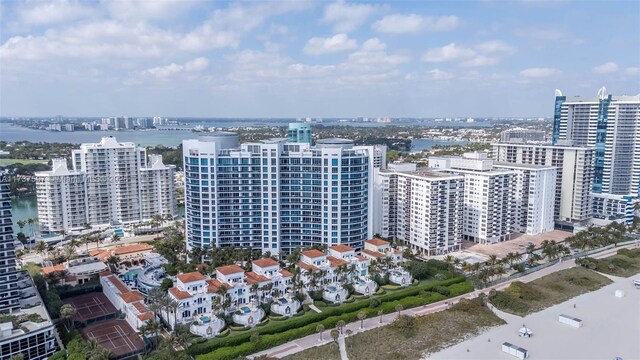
point(412, 23)
point(606, 68)
point(163, 72)
point(495, 46)
point(438, 74)
point(347, 17)
point(146, 9)
point(539, 72)
point(336, 43)
point(372, 56)
point(483, 54)
point(450, 52)
point(480, 60)
point(47, 13)
point(632, 70)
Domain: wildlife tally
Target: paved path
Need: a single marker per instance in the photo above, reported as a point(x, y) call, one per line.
point(343, 348)
point(310, 341)
point(314, 308)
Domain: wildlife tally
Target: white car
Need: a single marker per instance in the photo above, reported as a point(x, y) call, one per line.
point(636, 282)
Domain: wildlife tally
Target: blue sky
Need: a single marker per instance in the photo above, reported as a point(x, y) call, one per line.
point(312, 58)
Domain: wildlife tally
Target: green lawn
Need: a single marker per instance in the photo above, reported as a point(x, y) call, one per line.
point(526, 298)
point(625, 263)
point(330, 351)
point(278, 332)
point(7, 162)
point(428, 333)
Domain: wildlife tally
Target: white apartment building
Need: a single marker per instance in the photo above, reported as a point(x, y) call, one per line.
point(157, 188)
point(276, 195)
point(611, 125)
point(109, 184)
point(197, 293)
point(61, 197)
point(574, 178)
point(534, 196)
point(489, 196)
point(423, 209)
point(340, 261)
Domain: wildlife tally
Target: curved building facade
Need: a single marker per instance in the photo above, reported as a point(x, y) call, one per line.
point(276, 195)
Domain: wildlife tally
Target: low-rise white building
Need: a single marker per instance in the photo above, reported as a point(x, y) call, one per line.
point(130, 303)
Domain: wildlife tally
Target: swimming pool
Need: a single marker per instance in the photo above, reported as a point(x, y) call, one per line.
point(205, 319)
point(118, 232)
point(245, 310)
point(332, 288)
point(49, 235)
point(282, 301)
point(132, 274)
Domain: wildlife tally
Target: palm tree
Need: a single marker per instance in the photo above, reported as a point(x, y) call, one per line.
point(335, 334)
point(98, 240)
point(154, 327)
point(41, 248)
point(115, 238)
point(21, 224)
point(380, 313)
point(173, 307)
point(399, 308)
point(254, 290)
point(68, 252)
point(66, 312)
point(493, 259)
point(320, 329)
point(30, 221)
point(361, 316)
point(340, 325)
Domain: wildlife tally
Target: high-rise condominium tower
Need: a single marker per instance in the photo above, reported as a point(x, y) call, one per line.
point(611, 125)
point(424, 209)
point(34, 339)
point(110, 184)
point(276, 195)
point(574, 177)
point(300, 133)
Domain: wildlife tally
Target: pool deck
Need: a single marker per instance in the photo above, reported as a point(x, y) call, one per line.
point(611, 328)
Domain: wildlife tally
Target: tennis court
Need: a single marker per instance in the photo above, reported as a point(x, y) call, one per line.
point(116, 336)
point(91, 306)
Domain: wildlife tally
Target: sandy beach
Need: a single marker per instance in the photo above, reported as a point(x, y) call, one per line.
point(611, 328)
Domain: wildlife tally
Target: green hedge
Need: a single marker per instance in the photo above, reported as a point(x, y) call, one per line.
point(276, 333)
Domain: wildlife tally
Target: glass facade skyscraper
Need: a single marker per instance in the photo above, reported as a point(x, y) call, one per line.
point(277, 195)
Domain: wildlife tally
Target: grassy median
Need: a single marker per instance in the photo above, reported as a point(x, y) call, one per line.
point(325, 352)
point(525, 298)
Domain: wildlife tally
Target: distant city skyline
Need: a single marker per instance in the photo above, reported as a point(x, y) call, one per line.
point(285, 59)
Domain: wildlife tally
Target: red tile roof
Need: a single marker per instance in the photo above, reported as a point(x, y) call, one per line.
point(145, 316)
point(140, 307)
point(377, 242)
point(180, 295)
point(105, 273)
point(131, 296)
point(376, 254)
point(335, 262)
point(118, 284)
point(285, 273)
point(190, 277)
point(361, 258)
point(132, 249)
point(254, 278)
point(214, 285)
point(51, 269)
point(229, 269)
point(313, 253)
point(341, 248)
point(265, 262)
point(307, 266)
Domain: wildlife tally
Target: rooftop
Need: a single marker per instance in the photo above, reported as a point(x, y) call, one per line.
point(190, 277)
point(377, 242)
point(313, 253)
point(229, 269)
point(341, 248)
point(375, 254)
point(266, 262)
point(132, 249)
point(180, 295)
